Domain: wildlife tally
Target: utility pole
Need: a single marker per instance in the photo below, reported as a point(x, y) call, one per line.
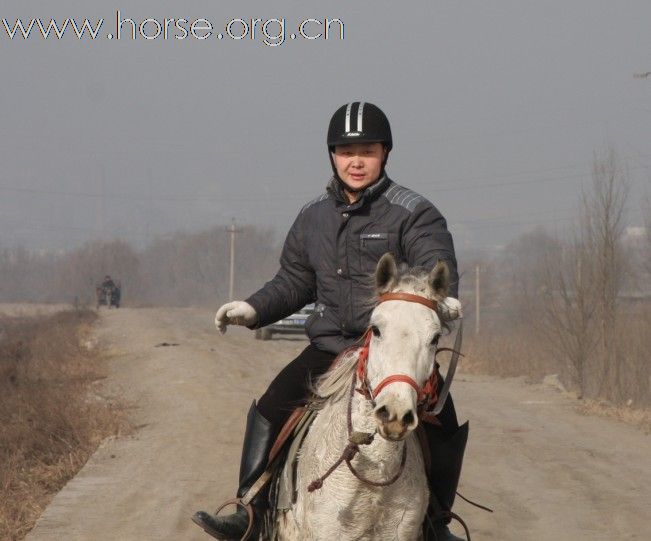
point(232, 230)
point(477, 300)
point(101, 210)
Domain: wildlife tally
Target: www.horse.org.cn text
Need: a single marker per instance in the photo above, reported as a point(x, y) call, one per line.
point(271, 32)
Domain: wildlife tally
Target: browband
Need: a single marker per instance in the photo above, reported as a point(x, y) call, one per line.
point(432, 305)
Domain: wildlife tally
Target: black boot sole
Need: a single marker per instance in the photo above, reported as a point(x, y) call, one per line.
point(197, 518)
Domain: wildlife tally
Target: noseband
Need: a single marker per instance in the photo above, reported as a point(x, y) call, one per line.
point(427, 394)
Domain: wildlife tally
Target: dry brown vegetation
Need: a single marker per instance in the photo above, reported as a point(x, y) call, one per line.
point(525, 350)
point(578, 306)
point(53, 414)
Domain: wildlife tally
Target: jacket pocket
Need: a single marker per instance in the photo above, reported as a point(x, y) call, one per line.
point(372, 246)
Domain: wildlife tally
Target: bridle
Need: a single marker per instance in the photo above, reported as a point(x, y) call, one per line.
point(427, 394)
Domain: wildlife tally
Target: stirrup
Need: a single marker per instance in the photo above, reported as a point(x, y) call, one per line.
point(449, 515)
point(238, 503)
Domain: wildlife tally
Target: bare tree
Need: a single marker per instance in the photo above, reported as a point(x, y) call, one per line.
point(646, 212)
point(604, 222)
point(84, 268)
point(181, 269)
point(523, 270)
point(569, 307)
point(583, 286)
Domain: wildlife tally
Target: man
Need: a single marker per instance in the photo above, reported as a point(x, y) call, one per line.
point(108, 283)
point(328, 258)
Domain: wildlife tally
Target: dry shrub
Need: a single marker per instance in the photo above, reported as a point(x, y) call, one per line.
point(521, 350)
point(639, 418)
point(512, 351)
point(52, 413)
point(633, 383)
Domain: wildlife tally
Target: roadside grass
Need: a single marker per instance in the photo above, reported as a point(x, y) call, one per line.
point(53, 413)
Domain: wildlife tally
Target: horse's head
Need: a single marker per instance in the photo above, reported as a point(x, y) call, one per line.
point(403, 343)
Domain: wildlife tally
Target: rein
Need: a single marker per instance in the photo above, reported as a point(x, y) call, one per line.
point(355, 439)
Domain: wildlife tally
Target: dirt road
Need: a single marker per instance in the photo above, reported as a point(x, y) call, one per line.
point(549, 472)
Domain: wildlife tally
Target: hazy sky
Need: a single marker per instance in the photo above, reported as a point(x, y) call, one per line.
point(496, 108)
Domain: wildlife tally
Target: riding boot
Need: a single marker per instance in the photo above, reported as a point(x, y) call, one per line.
point(258, 440)
point(446, 458)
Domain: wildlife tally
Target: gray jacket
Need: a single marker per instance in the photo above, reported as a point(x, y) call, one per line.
point(331, 251)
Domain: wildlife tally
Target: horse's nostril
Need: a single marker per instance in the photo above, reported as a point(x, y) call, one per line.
point(408, 418)
point(382, 413)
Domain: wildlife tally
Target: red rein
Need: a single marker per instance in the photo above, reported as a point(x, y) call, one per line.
point(427, 394)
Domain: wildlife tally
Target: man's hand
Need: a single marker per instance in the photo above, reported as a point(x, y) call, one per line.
point(450, 309)
point(235, 313)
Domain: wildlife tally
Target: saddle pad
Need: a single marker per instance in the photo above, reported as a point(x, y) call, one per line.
point(287, 481)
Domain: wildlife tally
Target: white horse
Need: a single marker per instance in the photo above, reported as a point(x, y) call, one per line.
point(401, 348)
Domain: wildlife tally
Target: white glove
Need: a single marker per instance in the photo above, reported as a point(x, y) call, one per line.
point(450, 309)
point(235, 313)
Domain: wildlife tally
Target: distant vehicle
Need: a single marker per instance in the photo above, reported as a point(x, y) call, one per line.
point(294, 324)
point(108, 294)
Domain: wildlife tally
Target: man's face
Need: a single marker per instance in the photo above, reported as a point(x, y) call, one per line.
point(359, 165)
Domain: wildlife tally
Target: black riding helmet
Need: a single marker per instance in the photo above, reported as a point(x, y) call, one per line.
point(358, 122)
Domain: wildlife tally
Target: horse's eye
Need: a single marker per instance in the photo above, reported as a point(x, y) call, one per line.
point(435, 340)
point(376, 331)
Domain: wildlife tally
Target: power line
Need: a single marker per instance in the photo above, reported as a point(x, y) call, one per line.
point(294, 196)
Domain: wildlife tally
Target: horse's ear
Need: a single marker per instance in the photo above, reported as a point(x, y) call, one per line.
point(386, 274)
point(439, 280)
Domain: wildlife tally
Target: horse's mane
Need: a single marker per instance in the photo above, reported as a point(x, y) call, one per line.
point(335, 381)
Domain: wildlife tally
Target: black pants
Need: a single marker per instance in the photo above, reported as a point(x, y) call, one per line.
point(291, 388)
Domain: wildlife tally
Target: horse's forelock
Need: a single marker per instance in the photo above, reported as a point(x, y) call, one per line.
point(414, 280)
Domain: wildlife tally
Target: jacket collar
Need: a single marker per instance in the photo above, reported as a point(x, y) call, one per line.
point(372, 192)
